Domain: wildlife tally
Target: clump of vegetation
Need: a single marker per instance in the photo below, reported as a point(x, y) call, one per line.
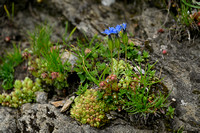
point(92, 56)
point(128, 87)
point(134, 53)
point(109, 92)
point(50, 69)
point(47, 65)
point(24, 92)
point(88, 110)
point(187, 13)
point(133, 92)
point(9, 62)
point(122, 84)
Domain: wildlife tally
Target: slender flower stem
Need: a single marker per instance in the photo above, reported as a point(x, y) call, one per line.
point(125, 53)
point(125, 41)
point(118, 60)
point(111, 62)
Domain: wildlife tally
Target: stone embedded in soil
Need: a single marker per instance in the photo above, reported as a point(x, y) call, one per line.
point(46, 118)
point(69, 56)
point(8, 122)
point(41, 97)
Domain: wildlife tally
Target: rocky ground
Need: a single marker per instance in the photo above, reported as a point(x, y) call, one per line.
point(180, 66)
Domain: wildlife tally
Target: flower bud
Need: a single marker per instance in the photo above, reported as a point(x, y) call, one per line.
point(102, 84)
point(83, 121)
point(15, 105)
point(44, 75)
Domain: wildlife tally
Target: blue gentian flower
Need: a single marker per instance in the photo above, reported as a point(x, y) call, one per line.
point(118, 28)
point(124, 26)
point(106, 32)
point(113, 30)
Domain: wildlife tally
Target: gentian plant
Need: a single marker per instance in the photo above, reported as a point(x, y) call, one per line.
point(114, 41)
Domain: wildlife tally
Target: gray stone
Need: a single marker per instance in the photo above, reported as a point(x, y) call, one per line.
point(8, 118)
point(45, 118)
point(69, 56)
point(41, 97)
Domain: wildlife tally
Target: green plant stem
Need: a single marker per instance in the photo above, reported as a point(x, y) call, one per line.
point(85, 69)
point(125, 53)
point(118, 59)
point(188, 4)
point(7, 12)
point(111, 61)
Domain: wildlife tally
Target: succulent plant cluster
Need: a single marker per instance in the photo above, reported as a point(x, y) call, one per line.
point(24, 92)
point(126, 79)
point(121, 67)
point(88, 110)
point(38, 68)
point(110, 88)
point(108, 92)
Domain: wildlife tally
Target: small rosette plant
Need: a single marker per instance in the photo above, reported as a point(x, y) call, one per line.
point(108, 92)
point(24, 92)
point(88, 110)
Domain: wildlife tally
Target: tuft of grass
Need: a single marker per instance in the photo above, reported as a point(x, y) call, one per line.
point(41, 40)
point(185, 17)
point(192, 4)
point(49, 65)
point(141, 99)
point(10, 60)
point(10, 17)
point(53, 59)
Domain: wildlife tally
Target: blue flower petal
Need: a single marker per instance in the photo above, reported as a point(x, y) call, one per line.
point(113, 30)
point(118, 28)
point(106, 32)
point(124, 26)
